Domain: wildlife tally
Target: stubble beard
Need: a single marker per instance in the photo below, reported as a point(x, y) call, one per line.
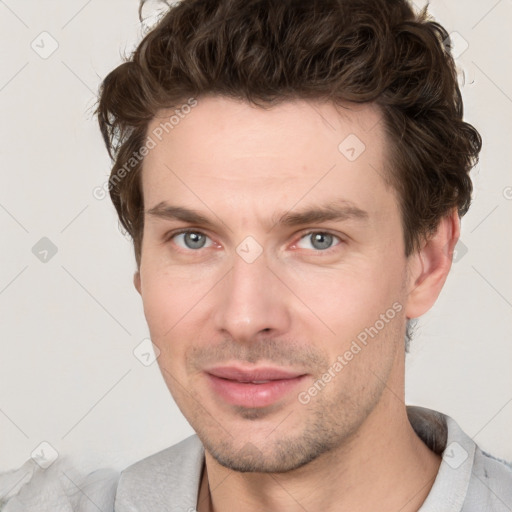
point(328, 426)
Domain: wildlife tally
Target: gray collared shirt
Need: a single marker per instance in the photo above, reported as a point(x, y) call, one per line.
point(468, 479)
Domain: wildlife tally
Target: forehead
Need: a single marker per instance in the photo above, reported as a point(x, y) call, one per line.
point(230, 152)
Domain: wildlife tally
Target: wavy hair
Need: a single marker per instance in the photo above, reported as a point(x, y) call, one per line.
point(266, 52)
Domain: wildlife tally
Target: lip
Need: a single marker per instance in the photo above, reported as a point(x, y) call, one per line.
point(252, 387)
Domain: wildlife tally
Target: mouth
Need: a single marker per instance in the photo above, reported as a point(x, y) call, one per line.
point(255, 387)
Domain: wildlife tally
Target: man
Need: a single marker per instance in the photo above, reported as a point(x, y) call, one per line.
point(292, 175)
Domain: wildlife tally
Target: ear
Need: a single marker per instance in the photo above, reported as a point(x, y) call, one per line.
point(136, 281)
point(428, 268)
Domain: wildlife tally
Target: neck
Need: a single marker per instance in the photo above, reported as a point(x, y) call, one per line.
point(383, 466)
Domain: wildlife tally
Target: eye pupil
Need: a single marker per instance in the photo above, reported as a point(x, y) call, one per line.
point(194, 240)
point(321, 240)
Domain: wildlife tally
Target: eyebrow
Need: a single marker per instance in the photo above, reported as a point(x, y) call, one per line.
point(165, 211)
point(335, 211)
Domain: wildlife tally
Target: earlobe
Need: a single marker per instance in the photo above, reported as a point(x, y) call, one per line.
point(136, 281)
point(429, 267)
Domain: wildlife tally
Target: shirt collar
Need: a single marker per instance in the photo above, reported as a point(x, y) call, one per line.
point(444, 437)
point(438, 431)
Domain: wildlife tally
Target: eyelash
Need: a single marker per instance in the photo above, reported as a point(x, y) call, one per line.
point(316, 231)
point(173, 234)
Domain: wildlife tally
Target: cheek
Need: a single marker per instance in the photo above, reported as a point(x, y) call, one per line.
point(170, 295)
point(347, 299)
point(176, 302)
point(166, 316)
point(363, 316)
point(161, 306)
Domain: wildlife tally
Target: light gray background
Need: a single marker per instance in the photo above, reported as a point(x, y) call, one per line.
point(69, 325)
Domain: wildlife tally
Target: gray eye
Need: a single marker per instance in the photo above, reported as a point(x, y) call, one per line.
point(193, 240)
point(321, 241)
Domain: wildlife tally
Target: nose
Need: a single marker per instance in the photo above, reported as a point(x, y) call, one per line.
point(252, 301)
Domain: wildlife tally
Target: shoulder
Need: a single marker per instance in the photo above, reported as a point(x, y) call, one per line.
point(169, 476)
point(179, 457)
point(491, 483)
point(468, 480)
point(58, 487)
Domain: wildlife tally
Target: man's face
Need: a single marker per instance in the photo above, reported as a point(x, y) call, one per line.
point(252, 301)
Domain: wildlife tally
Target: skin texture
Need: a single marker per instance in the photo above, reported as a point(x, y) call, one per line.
point(297, 306)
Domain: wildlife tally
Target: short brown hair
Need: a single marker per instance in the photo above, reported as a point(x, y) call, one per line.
point(268, 51)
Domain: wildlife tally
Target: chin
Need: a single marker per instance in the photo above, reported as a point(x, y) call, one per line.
point(279, 456)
